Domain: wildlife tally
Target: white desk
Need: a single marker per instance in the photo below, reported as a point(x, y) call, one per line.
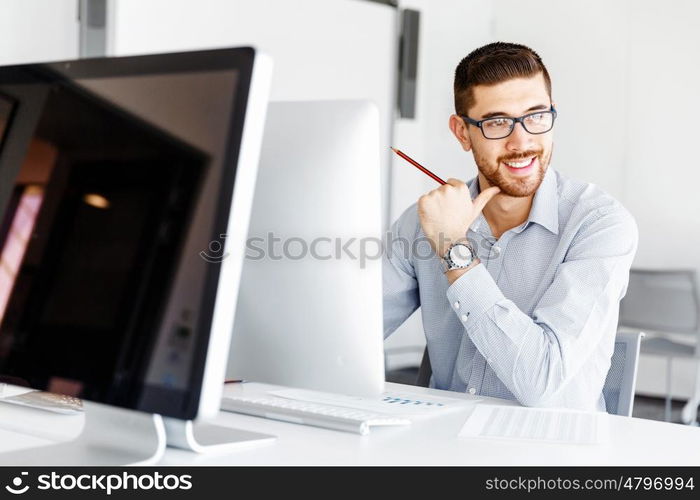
point(428, 441)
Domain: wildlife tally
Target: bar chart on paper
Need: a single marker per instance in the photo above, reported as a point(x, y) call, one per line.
point(390, 402)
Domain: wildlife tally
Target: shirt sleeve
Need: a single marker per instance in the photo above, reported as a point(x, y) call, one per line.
point(536, 357)
point(400, 286)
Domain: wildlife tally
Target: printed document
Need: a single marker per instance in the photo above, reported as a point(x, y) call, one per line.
point(540, 424)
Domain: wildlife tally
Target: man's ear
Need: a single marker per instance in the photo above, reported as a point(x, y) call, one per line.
point(459, 129)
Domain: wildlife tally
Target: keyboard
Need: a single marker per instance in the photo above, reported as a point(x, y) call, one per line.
point(318, 415)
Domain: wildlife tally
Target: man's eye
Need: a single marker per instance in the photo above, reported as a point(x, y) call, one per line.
point(536, 117)
point(497, 123)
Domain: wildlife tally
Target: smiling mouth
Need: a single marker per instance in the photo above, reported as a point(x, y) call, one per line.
point(520, 163)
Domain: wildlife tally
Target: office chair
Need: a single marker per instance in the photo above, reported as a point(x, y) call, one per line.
point(618, 390)
point(405, 374)
point(662, 303)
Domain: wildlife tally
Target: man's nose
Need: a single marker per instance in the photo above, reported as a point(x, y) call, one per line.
point(520, 139)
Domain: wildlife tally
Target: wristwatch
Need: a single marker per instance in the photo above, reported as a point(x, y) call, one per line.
point(458, 256)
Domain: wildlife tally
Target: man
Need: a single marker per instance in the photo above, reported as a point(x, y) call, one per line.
point(520, 286)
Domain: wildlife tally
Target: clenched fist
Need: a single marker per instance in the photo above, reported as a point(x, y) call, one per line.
point(447, 212)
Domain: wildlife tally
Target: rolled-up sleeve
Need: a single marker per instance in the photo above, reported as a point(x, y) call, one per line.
point(537, 356)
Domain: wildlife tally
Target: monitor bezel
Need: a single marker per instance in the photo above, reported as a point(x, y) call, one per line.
point(241, 59)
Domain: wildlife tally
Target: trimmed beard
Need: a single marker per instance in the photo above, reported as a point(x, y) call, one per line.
point(518, 188)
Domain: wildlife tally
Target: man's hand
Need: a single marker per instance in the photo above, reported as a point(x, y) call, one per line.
point(447, 212)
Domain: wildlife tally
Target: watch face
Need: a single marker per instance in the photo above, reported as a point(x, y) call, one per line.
point(461, 255)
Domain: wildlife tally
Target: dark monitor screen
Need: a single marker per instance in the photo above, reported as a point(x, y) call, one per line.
point(114, 175)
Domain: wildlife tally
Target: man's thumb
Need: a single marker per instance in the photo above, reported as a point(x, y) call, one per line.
point(485, 196)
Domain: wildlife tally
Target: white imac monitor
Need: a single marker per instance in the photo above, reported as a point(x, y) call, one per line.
point(117, 175)
point(309, 310)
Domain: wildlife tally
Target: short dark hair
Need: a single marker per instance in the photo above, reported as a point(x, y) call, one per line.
point(495, 63)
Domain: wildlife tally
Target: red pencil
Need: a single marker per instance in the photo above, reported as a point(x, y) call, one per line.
point(418, 165)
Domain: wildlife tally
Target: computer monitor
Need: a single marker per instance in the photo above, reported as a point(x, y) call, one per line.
point(118, 178)
point(309, 311)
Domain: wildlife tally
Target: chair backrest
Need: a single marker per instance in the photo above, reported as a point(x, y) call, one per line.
point(662, 300)
point(425, 370)
point(618, 390)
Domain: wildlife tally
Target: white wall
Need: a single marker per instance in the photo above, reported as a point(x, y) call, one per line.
point(663, 165)
point(38, 30)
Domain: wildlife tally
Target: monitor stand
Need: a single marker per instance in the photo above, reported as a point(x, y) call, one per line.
point(202, 437)
point(118, 436)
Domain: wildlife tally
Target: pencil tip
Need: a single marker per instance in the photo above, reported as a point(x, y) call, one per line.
point(393, 149)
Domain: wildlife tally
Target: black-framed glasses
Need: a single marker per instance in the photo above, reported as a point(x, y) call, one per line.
point(499, 127)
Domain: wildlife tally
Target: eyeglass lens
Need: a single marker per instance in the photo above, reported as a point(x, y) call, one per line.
point(536, 123)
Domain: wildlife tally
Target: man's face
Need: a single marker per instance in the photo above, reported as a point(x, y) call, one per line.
point(501, 161)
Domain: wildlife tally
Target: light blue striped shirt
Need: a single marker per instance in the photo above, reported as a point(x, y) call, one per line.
point(536, 320)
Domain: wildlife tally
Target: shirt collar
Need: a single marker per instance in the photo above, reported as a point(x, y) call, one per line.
point(545, 204)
